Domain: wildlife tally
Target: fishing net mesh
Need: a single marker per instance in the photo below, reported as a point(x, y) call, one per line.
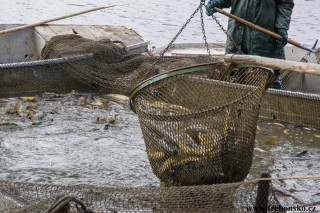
point(199, 123)
point(232, 197)
point(298, 82)
point(199, 129)
point(71, 62)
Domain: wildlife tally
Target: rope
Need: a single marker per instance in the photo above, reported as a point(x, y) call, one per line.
point(286, 178)
point(63, 202)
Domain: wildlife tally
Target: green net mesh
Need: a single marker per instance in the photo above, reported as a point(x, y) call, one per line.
point(199, 123)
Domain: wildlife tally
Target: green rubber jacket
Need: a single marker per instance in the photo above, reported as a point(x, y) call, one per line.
point(269, 14)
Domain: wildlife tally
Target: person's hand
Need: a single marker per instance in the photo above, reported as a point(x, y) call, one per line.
point(209, 8)
point(284, 34)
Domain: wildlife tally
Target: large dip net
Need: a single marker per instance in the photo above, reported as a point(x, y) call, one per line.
point(199, 123)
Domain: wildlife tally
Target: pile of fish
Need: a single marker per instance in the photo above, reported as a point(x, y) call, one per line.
point(187, 152)
point(17, 112)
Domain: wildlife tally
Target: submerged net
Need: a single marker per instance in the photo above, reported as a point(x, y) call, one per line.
point(234, 197)
point(199, 123)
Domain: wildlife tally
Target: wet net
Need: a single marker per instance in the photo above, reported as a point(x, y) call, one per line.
point(199, 128)
point(199, 123)
point(113, 68)
point(233, 197)
point(71, 62)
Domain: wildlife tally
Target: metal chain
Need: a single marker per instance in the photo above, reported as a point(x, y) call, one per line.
point(202, 3)
point(175, 37)
point(230, 38)
point(203, 29)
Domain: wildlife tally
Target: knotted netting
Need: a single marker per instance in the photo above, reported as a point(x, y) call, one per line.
point(199, 123)
point(71, 62)
point(233, 197)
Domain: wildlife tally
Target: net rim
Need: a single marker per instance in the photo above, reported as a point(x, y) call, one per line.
point(161, 76)
point(178, 71)
point(72, 58)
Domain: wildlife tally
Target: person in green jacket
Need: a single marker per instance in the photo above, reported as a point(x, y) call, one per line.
point(273, 15)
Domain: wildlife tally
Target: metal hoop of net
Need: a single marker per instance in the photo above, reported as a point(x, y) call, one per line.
point(199, 122)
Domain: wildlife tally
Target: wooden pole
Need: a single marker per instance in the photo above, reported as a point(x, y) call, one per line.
point(276, 64)
point(52, 19)
point(261, 29)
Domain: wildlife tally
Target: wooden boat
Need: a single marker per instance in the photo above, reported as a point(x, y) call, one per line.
point(20, 51)
point(21, 47)
point(26, 44)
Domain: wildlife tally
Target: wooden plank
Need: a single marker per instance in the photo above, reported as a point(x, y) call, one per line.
point(98, 34)
point(61, 29)
point(45, 32)
point(83, 31)
point(95, 32)
point(39, 42)
point(109, 34)
point(119, 33)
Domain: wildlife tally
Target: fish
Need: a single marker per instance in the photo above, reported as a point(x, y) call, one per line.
point(36, 117)
point(29, 98)
point(174, 162)
point(17, 107)
point(157, 156)
point(279, 124)
point(272, 141)
point(31, 115)
point(188, 146)
point(117, 98)
point(98, 103)
point(302, 153)
point(259, 150)
point(167, 107)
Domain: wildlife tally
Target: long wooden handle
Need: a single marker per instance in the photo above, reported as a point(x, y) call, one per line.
point(276, 64)
point(261, 29)
point(51, 20)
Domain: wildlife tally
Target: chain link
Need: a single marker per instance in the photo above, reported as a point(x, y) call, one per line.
point(203, 29)
point(175, 37)
point(202, 4)
point(230, 37)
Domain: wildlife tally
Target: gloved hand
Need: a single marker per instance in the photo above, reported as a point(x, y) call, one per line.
point(284, 34)
point(209, 8)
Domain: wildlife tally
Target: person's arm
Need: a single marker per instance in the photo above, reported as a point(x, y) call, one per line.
point(284, 11)
point(222, 3)
point(216, 3)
